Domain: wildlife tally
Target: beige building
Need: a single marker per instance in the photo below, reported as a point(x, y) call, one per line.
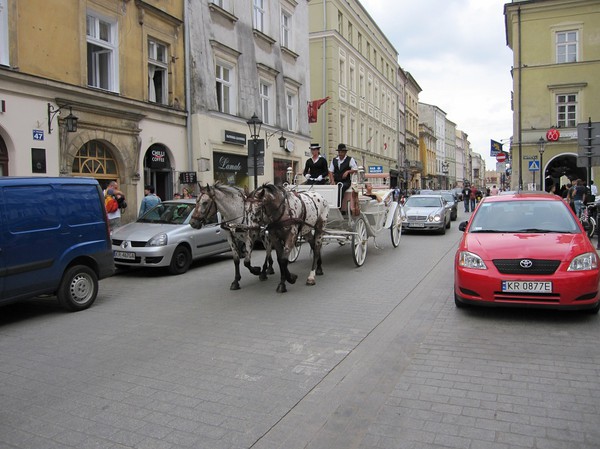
point(462, 158)
point(555, 87)
point(249, 58)
point(119, 67)
point(354, 64)
point(413, 160)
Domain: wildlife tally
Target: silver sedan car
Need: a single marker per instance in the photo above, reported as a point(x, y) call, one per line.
point(426, 213)
point(163, 237)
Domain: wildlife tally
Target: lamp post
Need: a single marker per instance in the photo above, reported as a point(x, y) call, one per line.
point(541, 144)
point(254, 125)
point(445, 167)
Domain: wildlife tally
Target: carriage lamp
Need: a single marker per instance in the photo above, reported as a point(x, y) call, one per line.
point(254, 125)
point(289, 175)
point(361, 174)
point(541, 148)
point(70, 119)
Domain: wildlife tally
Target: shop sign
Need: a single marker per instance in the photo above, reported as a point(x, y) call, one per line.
point(235, 138)
point(188, 177)
point(158, 158)
point(375, 168)
point(230, 163)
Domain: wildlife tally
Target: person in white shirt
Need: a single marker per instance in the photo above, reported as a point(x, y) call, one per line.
point(341, 168)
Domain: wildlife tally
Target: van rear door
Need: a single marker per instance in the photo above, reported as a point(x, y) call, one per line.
point(32, 235)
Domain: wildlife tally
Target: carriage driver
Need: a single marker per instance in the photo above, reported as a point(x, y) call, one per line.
point(315, 169)
point(341, 168)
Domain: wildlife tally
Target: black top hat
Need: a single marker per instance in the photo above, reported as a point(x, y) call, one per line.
point(315, 146)
point(342, 147)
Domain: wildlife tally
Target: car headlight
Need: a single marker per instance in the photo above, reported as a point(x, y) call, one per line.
point(587, 261)
point(470, 260)
point(435, 217)
point(158, 240)
point(404, 218)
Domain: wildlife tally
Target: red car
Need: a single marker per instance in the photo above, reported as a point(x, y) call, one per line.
point(527, 250)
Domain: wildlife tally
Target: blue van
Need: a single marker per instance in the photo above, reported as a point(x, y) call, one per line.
point(54, 240)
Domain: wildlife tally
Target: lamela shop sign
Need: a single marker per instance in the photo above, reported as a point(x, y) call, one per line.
point(230, 163)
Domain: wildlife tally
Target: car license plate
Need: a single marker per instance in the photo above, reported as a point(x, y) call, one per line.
point(416, 225)
point(124, 255)
point(527, 286)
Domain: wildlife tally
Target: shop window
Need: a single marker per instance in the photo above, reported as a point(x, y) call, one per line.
point(96, 160)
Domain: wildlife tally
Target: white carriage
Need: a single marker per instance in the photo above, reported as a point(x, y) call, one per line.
point(355, 216)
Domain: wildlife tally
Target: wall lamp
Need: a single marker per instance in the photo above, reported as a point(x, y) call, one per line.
point(70, 119)
point(281, 139)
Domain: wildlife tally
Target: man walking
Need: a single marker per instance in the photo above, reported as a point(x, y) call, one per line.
point(466, 192)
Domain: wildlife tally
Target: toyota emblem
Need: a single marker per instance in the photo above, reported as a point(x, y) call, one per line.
point(526, 263)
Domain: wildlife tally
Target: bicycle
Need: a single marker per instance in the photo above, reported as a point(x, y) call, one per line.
point(587, 216)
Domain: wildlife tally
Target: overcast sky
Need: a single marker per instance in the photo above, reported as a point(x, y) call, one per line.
point(456, 50)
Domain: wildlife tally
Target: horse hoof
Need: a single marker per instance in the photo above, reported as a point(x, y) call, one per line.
point(263, 277)
point(255, 270)
point(234, 286)
point(292, 278)
point(271, 271)
point(281, 288)
point(319, 272)
point(310, 282)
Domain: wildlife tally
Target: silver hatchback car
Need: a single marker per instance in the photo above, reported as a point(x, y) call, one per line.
point(163, 237)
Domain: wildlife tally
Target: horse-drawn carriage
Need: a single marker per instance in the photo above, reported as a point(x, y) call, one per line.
point(362, 212)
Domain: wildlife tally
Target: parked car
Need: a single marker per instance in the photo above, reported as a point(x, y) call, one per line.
point(528, 250)
point(54, 240)
point(426, 213)
point(163, 237)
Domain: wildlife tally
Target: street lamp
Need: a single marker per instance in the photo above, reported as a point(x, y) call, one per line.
point(445, 167)
point(254, 125)
point(70, 119)
point(541, 144)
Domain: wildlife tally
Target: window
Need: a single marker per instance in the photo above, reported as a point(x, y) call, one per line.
point(352, 80)
point(343, 128)
point(340, 23)
point(3, 33)
point(566, 46)
point(291, 101)
point(158, 91)
point(342, 74)
point(225, 89)
point(359, 38)
point(361, 85)
point(101, 53)
point(350, 31)
point(219, 3)
point(266, 102)
point(566, 110)
point(95, 158)
point(259, 15)
point(286, 32)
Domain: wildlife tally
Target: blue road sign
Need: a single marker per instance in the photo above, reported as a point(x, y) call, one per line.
point(534, 166)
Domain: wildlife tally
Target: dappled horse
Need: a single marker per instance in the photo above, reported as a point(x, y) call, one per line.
point(229, 201)
point(288, 215)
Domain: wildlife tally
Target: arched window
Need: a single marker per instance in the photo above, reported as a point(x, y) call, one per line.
point(95, 159)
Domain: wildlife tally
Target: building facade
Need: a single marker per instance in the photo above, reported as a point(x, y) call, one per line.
point(556, 54)
point(413, 160)
point(249, 59)
point(355, 66)
point(118, 67)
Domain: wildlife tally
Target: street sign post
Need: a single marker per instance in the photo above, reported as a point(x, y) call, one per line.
point(501, 157)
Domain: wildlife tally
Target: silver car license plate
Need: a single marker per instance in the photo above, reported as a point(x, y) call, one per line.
point(527, 286)
point(124, 255)
point(416, 225)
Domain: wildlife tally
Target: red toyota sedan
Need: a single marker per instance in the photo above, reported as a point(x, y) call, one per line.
point(526, 250)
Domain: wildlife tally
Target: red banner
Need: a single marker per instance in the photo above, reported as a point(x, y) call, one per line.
point(313, 107)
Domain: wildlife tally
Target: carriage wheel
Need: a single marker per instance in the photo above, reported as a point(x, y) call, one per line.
point(359, 242)
point(295, 252)
point(396, 228)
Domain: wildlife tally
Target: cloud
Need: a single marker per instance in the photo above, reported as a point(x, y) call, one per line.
point(456, 50)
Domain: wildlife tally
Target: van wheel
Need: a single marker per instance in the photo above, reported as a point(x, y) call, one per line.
point(78, 288)
point(181, 261)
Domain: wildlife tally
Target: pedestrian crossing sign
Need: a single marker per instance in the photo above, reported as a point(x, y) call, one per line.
point(534, 166)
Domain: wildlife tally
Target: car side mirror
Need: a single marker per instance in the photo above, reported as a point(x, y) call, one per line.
point(463, 226)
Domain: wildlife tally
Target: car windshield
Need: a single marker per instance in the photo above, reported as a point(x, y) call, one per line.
point(423, 201)
point(448, 197)
point(524, 216)
point(168, 213)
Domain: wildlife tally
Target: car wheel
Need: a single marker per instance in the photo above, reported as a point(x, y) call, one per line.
point(442, 230)
point(181, 260)
point(595, 310)
point(78, 288)
point(449, 224)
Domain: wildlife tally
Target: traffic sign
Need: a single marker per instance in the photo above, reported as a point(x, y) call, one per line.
point(501, 157)
point(534, 166)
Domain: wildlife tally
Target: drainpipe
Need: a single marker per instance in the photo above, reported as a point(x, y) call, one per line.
point(188, 94)
point(520, 123)
point(323, 63)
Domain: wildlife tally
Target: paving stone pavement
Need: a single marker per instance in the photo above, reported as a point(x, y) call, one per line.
point(375, 357)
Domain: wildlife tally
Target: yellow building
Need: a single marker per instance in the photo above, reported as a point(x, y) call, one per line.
point(427, 154)
point(555, 87)
point(119, 67)
point(354, 64)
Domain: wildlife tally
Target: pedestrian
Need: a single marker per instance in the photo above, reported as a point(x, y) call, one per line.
point(150, 200)
point(473, 197)
point(593, 188)
point(114, 217)
point(341, 168)
point(494, 190)
point(177, 196)
point(186, 194)
point(578, 196)
point(466, 192)
point(315, 168)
